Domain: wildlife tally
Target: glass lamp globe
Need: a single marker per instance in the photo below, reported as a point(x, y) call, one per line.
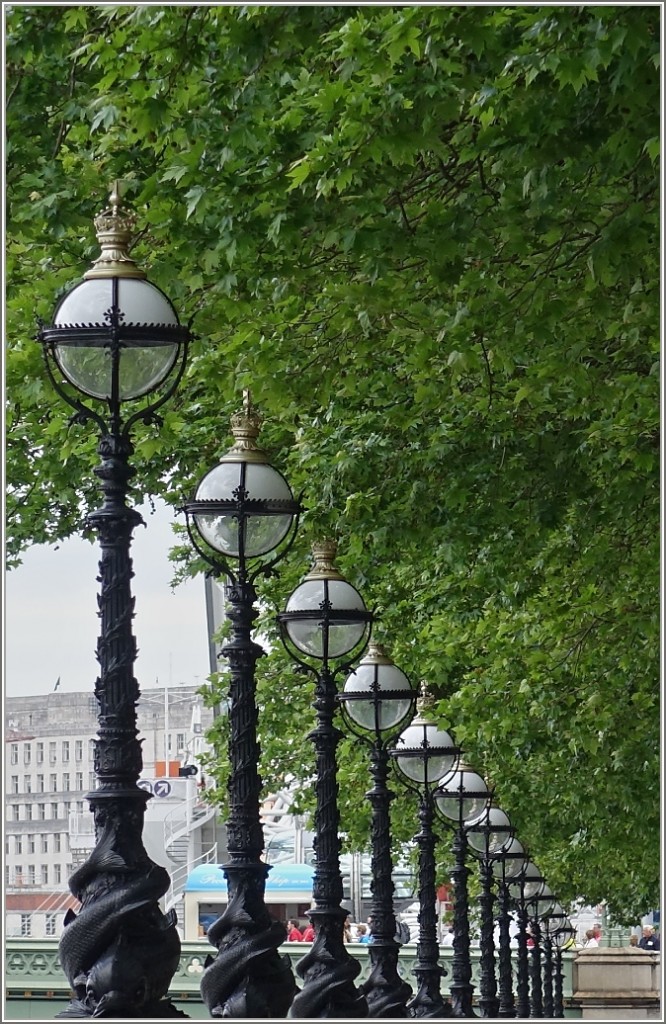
point(511, 862)
point(377, 696)
point(423, 752)
point(463, 796)
point(490, 832)
point(325, 616)
point(545, 902)
point(115, 336)
point(564, 935)
point(530, 883)
point(243, 507)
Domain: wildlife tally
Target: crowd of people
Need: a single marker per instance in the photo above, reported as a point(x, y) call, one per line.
point(352, 932)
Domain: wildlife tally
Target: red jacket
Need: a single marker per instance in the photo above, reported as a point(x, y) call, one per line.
point(294, 935)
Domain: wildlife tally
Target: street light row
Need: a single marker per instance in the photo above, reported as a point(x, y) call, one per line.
point(116, 339)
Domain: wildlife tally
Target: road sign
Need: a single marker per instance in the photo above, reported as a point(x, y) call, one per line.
point(161, 787)
point(145, 784)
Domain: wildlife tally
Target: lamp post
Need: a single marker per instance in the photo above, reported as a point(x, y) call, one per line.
point(540, 904)
point(461, 799)
point(507, 867)
point(377, 698)
point(326, 620)
point(528, 884)
point(487, 837)
point(242, 513)
point(116, 341)
point(561, 939)
point(425, 754)
point(553, 921)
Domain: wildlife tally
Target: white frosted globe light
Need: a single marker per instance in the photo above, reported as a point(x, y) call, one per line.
point(494, 835)
point(511, 862)
point(462, 797)
point(309, 635)
point(425, 753)
point(143, 362)
point(221, 528)
point(371, 680)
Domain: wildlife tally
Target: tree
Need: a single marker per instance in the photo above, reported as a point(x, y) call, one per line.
point(427, 239)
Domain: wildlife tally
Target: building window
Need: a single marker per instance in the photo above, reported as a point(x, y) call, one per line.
point(18, 844)
point(180, 741)
point(56, 842)
point(50, 925)
point(41, 812)
point(27, 753)
point(27, 784)
point(28, 812)
point(45, 874)
point(6, 845)
point(31, 843)
point(53, 757)
point(65, 781)
point(31, 874)
point(79, 780)
point(54, 783)
point(15, 812)
point(26, 925)
point(65, 751)
point(18, 874)
point(40, 753)
point(40, 783)
point(14, 753)
point(54, 810)
point(91, 780)
point(91, 749)
point(6, 874)
point(14, 786)
point(67, 808)
point(57, 874)
point(45, 844)
point(79, 806)
point(78, 750)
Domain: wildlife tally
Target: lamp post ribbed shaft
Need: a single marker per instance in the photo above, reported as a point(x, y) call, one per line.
point(488, 1001)
point(427, 1000)
point(548, 976)
point(507, 1005)
point(461, 988)
point(536, 991)
point(522, 978)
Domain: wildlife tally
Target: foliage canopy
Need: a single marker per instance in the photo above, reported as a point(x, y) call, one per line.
point(427, 239)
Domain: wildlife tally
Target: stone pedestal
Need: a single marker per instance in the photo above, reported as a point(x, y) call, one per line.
point(617, 983)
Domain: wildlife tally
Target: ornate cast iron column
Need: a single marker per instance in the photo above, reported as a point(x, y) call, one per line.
point(247, 978)
point(326, 618)
point(426, 754)
point(547, 975)
point(488, 1001)
point(522, 978)
point(119, 951)
point(507, 1005)
point(536, 995)
point(377, 698)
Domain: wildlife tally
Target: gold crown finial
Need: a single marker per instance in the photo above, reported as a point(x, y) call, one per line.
point(376, 654)
point(425, 702)
point(114, 227)
point(245, 426)
point(323, 553)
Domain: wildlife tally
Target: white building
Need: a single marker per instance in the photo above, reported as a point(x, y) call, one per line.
point(48, 771)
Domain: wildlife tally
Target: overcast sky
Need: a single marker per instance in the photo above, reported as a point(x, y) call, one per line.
point(51, 623)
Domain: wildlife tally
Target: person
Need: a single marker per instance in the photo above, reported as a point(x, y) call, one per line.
point(347, 933)
point(650, 940)
point(596, 928)
point(362, 933)
point(447, 939)
point(293, 932)
point(590, 940)
point(308, 933)
point(633, 941)
point(402, 932)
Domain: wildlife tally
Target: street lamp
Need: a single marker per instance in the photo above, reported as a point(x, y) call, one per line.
point(487, 837)
point(326, 619)
point(242, 512)
point(506, 867)
point(562, 937)
point(377, 699)
point(116, 340)
point(425, 754)
point(554, 920)
point(460, 800)
point(528, 884)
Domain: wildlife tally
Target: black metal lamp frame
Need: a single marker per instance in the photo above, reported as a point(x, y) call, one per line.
point(120, 951)
point(489, 1003)
point(507, 1004)
point(560, 938)
point(461, 988)
point(328, 970)
point(386, 992)
point(553, 922)
point(522, 903)
point(248, 978)
point(428, 1001)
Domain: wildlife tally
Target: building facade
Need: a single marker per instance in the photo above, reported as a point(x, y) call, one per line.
point(49, 768)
